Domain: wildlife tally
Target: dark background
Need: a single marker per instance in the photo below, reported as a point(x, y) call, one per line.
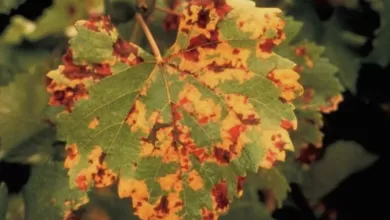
point(361, 196)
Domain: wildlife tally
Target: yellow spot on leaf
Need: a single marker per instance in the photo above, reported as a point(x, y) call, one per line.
point(205, 110)
point(73, 156)
point(167, 182)
point(94, 123)
point(287, 80)
point(194, 180)
point(333, 104)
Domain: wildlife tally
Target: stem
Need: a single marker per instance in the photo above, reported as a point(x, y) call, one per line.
point(168, 11)
point(149, 36)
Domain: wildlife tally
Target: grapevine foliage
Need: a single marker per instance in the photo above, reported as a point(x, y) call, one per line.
point(322, 90)
point(3, 200)
point(7, 5)
point(380, 53)
point(178, 133)
point(54, 21)
point(23, 103)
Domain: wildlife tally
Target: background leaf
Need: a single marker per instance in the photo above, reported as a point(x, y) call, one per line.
point(36, 149)
point(341, 159)
point(7, 5)
point(47, 195)
point(3, 201)
point(248, 206)
point(22, 108)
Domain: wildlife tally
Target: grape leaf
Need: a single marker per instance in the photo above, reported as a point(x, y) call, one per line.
point(36, 149)
point(105, 202)
point(341, 159)
point(182, 129)
point(337, 52)
point(248, 206)
point(3, 201)
point(53, 21)
point(322, 89)
point(322, 93)
point(317, 75)
point(22, 108)
point(7, 5)
point(273, 180)
point(17, 61)
point(15, 209)
point(47, 195)
point(308, 131)
point(380, 53)
point(291, 169)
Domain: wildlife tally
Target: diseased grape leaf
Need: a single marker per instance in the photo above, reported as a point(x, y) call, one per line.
point(54, 21)
point(22, 108)
point(332, 37)
point(341, 159)
point(317, 75)
point(248, 206)
point(322, 89)
point(3, 201)
point(7, 5)
point(178, 131)
point(47, 195)
point(322, 93)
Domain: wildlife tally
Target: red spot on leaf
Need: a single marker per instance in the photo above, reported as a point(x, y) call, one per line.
point(123, 50)
point(203, 18)
point(192, 54)
point(163, 205)
point(267, 46)
point(82, 183)
point(286, 124)
point(240, 184)
point(300, 51)
point(102, 69)
point(220, 194)
point(222, 156)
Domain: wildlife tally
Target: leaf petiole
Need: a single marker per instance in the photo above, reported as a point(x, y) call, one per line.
point(149, 36)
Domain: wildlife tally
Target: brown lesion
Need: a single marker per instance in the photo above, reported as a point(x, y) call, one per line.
point(62, 95)
point(72, 156)
point(127, 52)
point(301, 51)
point(287, 81)
point(73, 87)
point(99, 24)
point(97, 171)
point(220, 198)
